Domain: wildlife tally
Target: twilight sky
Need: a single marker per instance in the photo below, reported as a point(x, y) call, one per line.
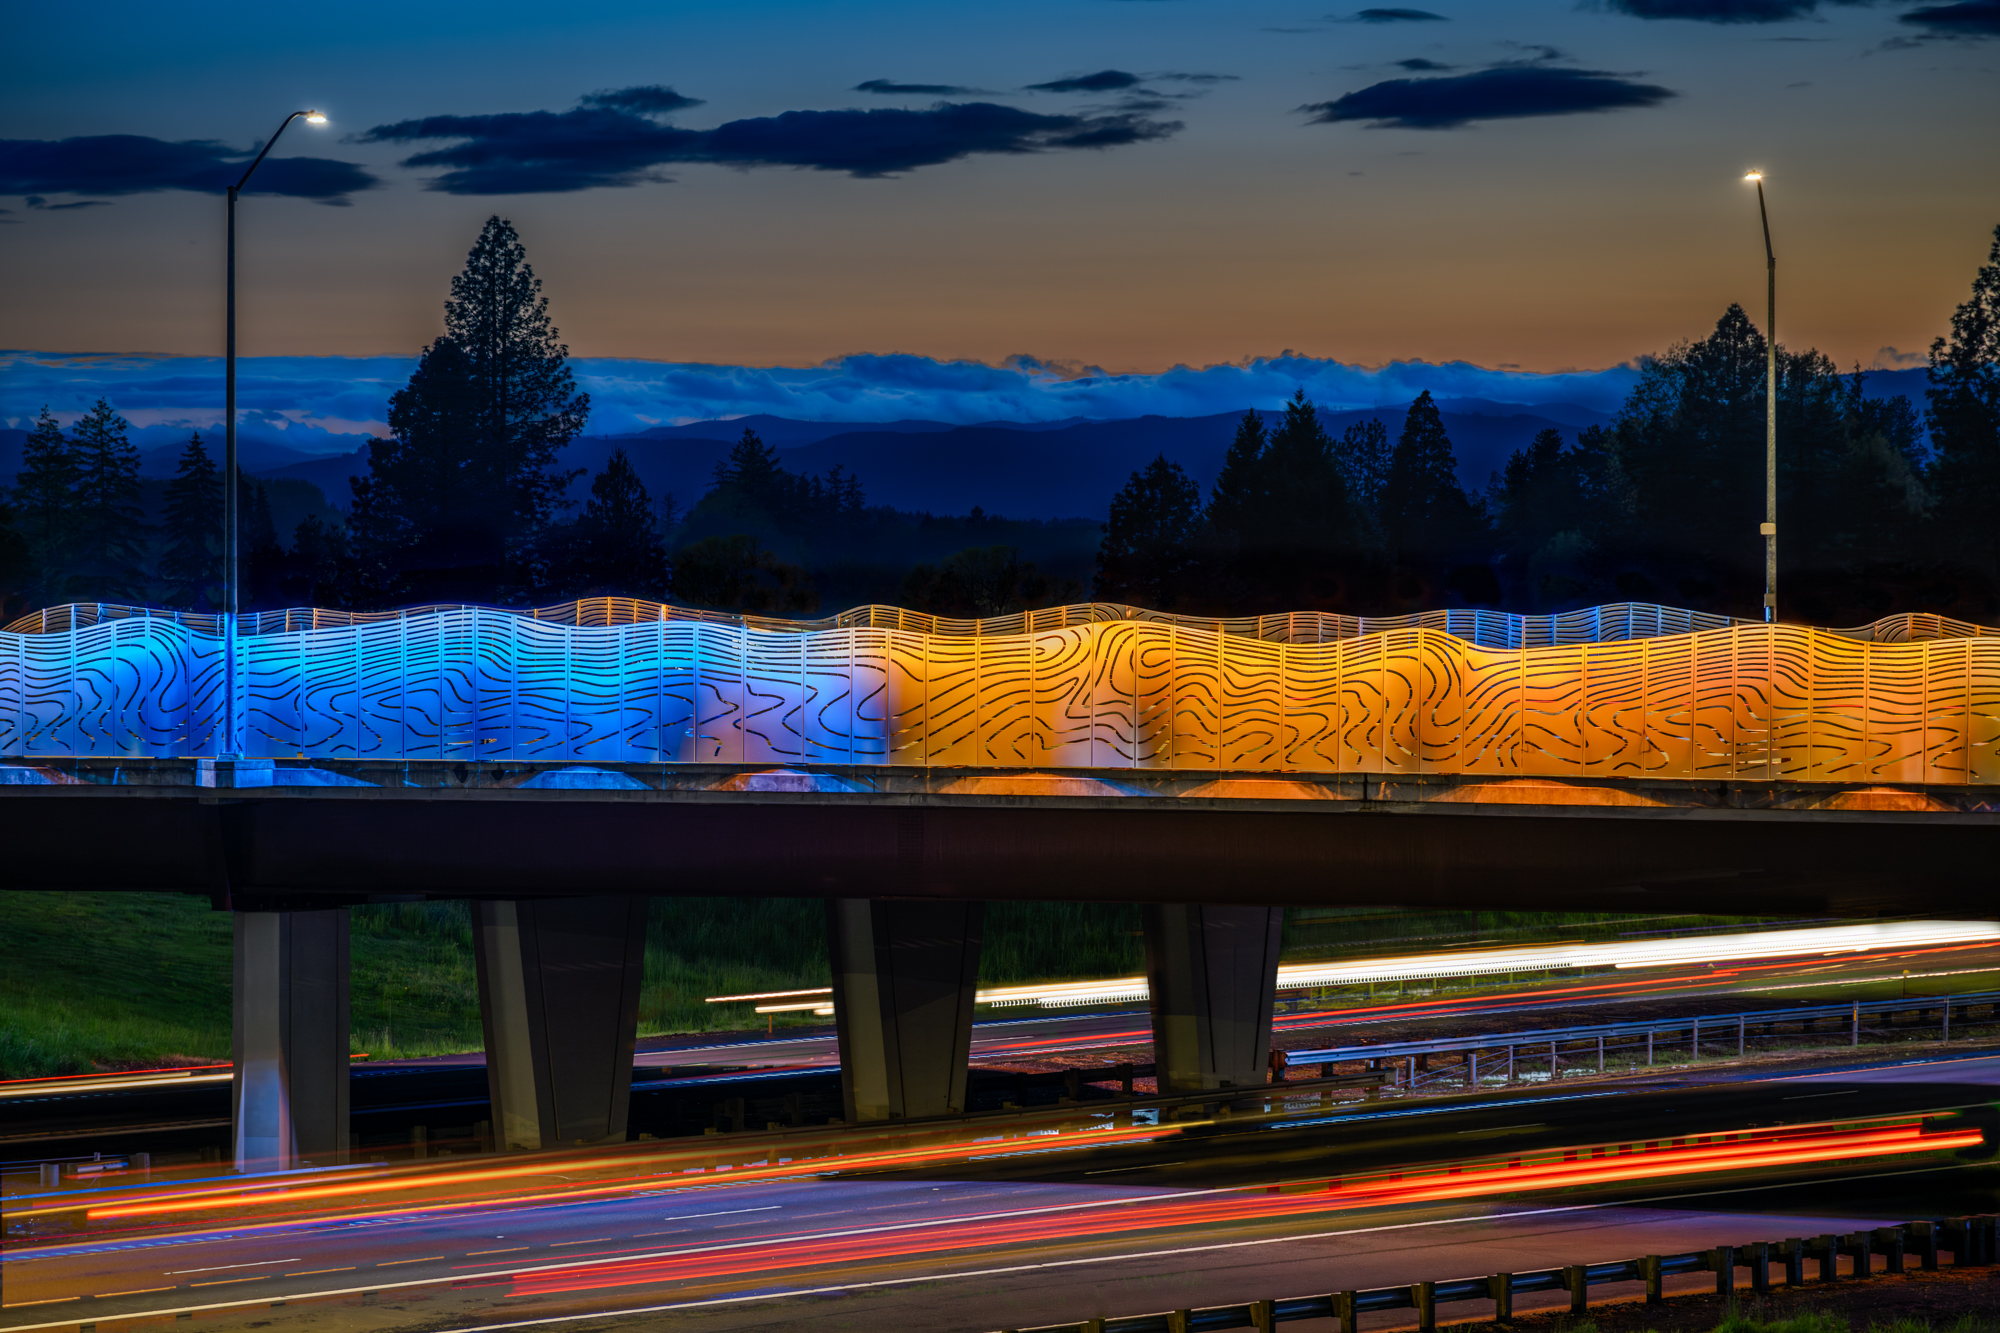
point(1538, 184)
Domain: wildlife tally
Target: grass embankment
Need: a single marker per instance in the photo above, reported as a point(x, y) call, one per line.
point(125, 980)
point(122, 980)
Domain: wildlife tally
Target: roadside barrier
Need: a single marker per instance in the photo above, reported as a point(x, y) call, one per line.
point(1547, 1054)
point(1971, 1242)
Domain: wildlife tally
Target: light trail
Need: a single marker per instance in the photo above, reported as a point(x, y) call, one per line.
point(1862, 938)
point(1604, 1164)
point(274, 1194)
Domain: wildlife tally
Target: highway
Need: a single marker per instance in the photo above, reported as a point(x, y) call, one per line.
point(1042, 1229)
point(1002, 1040)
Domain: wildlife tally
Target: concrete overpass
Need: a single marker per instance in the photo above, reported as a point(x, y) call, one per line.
point(558, 767)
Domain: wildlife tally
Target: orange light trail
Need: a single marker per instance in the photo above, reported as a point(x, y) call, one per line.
point(1675, 1158)
point(624, 1184)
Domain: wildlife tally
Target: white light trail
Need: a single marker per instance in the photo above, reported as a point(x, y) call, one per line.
point(1822, 940)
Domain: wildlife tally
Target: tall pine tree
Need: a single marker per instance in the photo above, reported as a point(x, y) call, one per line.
point(458, 500)
point(1431, 526)
point(191, 566)
point(1964, 418)
point(1147, 556)
point(111, 524)
point(45, 509)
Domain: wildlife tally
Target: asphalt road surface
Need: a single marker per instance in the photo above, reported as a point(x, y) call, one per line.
point(1019, 1235)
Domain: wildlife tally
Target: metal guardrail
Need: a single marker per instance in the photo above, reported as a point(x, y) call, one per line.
point(1552, 1047)
point(1970, 1240)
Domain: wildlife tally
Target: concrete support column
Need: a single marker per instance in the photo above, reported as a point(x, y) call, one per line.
point(289, 1096)
point(559, 1001)
point(1213, 973)
point(904, 977)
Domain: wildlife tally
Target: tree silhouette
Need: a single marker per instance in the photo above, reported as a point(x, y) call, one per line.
point(1427, 519)
point(616, 544)
point(46, 513)
point(1147, 557)
point(1285, 530)
point(1550, 509)
point(111, 525)
point(192, 563)
point(1964, 417)
point(459, 498)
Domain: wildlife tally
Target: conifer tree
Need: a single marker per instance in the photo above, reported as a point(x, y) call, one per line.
point(1147, 556)
point(112, 529)
point(617, 547)
point(1363, 455)
point(192, 564)
point(1964, 416)
point(458, 500)
point(1426, 517)
point(45, 508)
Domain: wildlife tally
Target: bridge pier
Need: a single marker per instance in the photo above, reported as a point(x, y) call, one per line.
point(904, 978)
point(559, 1002)
point(290, 1035)
point(1213, 973)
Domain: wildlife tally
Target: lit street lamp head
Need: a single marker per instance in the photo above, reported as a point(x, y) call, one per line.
point(315, 117)
point(1753, 175)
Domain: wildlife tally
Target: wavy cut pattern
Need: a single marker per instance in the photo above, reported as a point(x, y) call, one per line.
point(1749, 702)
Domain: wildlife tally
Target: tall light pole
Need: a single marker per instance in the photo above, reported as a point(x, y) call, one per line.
point(231, 745)
point(1769, 527)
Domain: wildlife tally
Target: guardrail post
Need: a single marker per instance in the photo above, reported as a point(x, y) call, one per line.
point(1889, 1239)
point(1947, 1019)
point(1600, 1053)
point(1576, 1281)
point(1344, 1311)
point(1510, 1066)
point(1423, 1295)
point(1925, 1234)
point(1793, 1251)
point(1649, 1050)
point(1760, 1266)
point(1180, 1321)
point(1554, 1062)
point(1723, 1260)
point(1694, 1043)
point(1861, 1248)
point(51, 1175)
point(1739, 1038)
point(1264, 1315)
point(1828, 1252)
point(1649, 1269)
point(1855, 1039)
point(1472, 1071)
point(1501, 1288)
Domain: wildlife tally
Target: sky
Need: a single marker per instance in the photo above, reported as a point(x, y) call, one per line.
point(1057, 190)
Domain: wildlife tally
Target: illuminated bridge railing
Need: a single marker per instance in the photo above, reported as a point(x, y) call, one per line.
point(1104, 688)
point(1490, 629)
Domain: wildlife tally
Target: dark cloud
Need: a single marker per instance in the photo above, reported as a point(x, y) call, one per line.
point(1104, 81)
point(546, 152)
point(1195, 78)
point(1492, 94)
point(36, 201)
point(1968, 18)
point(893, 89)
point(1722, 11)
point(1419, 65)
point(133, 164)
point(649, 100)
point(1397, 16)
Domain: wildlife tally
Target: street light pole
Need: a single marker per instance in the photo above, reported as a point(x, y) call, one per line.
point(231, 745)
point(1769, 527)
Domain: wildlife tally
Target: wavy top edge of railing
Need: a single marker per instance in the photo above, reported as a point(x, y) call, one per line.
point(1492, 629)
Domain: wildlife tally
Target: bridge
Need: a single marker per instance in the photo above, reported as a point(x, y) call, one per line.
point(557, 765)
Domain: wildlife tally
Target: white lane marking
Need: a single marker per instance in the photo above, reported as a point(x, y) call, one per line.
point(939, 1277)
point(265, 1263)
point(727, 1212)
point(1115, 1170)
point(1808, 1096)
